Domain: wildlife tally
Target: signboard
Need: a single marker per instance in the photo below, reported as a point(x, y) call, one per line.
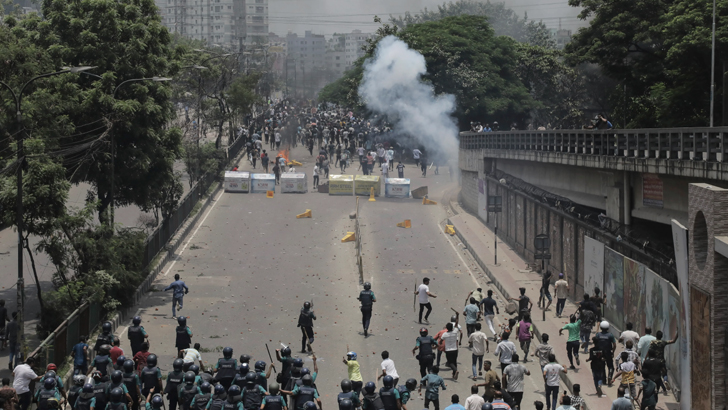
point(262, 183)
point(341, 184)
point(593, 265)
point(397, 188)
point(364, 183)
point(293, 183)
point(652, 191)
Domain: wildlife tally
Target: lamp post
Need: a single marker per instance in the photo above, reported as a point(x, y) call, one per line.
point(18, 97)
point(712, 69)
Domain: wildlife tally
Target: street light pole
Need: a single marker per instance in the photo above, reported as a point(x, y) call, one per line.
point(712, 70)
point(18, 97)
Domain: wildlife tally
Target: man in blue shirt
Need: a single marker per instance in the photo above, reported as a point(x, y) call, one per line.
point(80, 357)
point(179, 290)
point(432, 383)
point(455, 403)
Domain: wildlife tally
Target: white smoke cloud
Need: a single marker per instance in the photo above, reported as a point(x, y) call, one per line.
point(392, 85)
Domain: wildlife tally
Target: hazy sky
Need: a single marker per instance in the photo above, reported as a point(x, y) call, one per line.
point(329, 16)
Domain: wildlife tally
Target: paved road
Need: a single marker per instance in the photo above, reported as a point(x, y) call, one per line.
point(250, 264)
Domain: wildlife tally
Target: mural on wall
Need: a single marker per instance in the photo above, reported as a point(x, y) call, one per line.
point(614, 287)
point(671, 328)
point(593, 265)
point(634, 294)
point(655, 301)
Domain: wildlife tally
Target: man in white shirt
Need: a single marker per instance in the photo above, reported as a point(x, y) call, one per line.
point(423, 292)
point(416, 155)
point(504, 351)
point(629, 334)
point(551, 372)
point(479, 342)
point(644, 344)
point(190, 356)
point(474, 401)
point(23, 375)
point(451, 349)
point(388, 368)
point(561, 288)
point(513, 376)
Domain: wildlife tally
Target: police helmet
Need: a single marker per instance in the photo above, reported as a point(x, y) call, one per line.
point(351, 355)
point(106, 327)
point(423, 331)
point(128, 366)
point(116, 394)
point(367, 285)
point(307, 305)
point(190, 377)
point(307, 380)
point(604, 325)
point(388, 381)
point(177, 364)
point(205, 387)
point(116, 376)
point(244, 358)
point(194, 369)
point(274, 389)
point(49, 383)
point(152, 360)
point(157, 402)
point(305, 371)
point(50, 374)
point(298, 362)
point(227, 352)
point(286, 351)
point(345, 385)
point(79, 380)
point(453, 318)
point(52, 403)
point(96, 375)
point(250, 378)
point(234, 390)
point(243, 369)
point(120, 360)
point(88, 388)
point(182, 320)
point(486, 406)
point(260, 366)
point(309, 405)
point(104, 350)
point(136, 321)
point(410, 384)
point(51, 366)
point(369, 387)
point(219, 389)
point(346, 404)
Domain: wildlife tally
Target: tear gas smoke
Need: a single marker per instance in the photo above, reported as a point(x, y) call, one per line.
point(392, 85)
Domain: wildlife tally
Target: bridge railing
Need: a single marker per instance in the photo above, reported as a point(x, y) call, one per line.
point(695, 144)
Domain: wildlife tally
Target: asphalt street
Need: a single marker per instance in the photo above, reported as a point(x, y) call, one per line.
point(250, 265)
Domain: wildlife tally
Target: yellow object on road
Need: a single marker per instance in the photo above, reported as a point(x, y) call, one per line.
point(269, 194)
point(306, 214)
point(426, 201)
point(371, 195)
point(449, 229)
point(406, 224)
point(349, 237)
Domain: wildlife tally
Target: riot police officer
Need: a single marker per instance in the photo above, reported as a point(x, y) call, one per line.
point(367, 299)
point(200, 401)
point(239, 379)
point(406, 390)
point(425, 343)
point(85, 399)
point(132, 383)
point(372, 400)
point(305, 322)
point(187, 392)
point(390, 395)
point(102, 362)
point(252, 393)
point(234, 400)
point(151, 376)
point(346, 404)
point(260, 372)
point(75, 391)
point(47, 393)
point(217, 402)
point(284, 356)
point(105, 337)
point(137, 335)
point(184, 334)
point(116, 399)
point(274, 401)
point(174, 380)
point(304, 393)
point(117, 382)
point(225, 368)
point(348, 394)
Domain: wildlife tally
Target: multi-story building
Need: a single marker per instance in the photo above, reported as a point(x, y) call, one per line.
point(306, 61)
point(353, 43)
point(256, 21)
point(217, 22)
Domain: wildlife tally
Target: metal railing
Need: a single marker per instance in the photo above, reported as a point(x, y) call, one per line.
point(697, 144)
point(357, 236)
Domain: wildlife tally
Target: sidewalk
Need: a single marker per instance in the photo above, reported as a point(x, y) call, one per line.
point(512, 273)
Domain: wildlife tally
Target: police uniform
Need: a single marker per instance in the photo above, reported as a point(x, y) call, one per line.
point(226, 371)
point(174, 379)
point(136, 338)
point(366, 297)
point(305, 322)
point(427, 355)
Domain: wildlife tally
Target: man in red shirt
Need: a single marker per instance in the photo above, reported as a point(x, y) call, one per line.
point(116, 351)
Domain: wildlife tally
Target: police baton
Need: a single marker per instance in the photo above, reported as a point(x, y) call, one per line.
point(308, 338)
point(271, 358)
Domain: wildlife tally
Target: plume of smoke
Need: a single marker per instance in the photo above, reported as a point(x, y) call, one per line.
point(392, 85)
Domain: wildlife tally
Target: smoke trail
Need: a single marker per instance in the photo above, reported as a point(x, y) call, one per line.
point(392, 85)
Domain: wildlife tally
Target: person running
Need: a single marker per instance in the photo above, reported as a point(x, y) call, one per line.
point(561, 288)
point(471, 313)
point(544, 292)
point(354, 371)
point(551, 373)
point(648, 391)
point(423, 292)
point(416, 153)
point(179, 290)
point(432, 383)
point(607, 343)
point(305, 322)
point(543, 351)
point(80, 356)
point(490, 308)
point(513, 377)
point(644, 344)
point(524, 303)
point(572, 343)
point(451, 349)
point(400, 170)
point(480, 346)
point(626, 369)
point(658, 346)
point(629, 335)
point(525, 335)
point(388, 368)
point(505, 351)
point(425, 343)
point(367, 299)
